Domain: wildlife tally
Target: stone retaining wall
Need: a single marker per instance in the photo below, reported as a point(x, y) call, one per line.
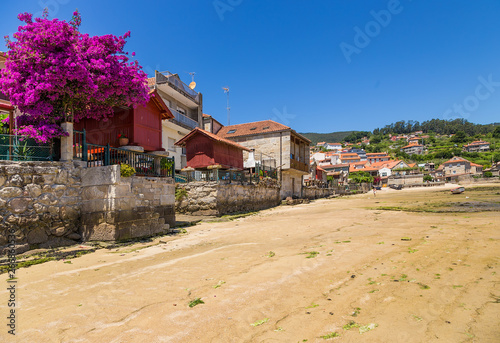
point(406, 179)
point(40, 202)
point(211, 198)
point(118, 208)
point(311, 192)
point(52, 204)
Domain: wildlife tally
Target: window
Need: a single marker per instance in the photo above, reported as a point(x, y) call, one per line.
point(181, 111)
point(265, 128)
point(253, 128)
point(231, 131)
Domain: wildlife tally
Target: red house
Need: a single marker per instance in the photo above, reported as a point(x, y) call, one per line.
point(205, 149)
point(141, 125)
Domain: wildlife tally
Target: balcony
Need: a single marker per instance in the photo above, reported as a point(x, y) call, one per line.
point(175, 82)
point(183, 120)
point(294, 164)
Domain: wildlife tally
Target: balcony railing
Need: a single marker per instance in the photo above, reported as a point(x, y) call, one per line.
point(175, 82)
point(104, 155)
point(183, 119)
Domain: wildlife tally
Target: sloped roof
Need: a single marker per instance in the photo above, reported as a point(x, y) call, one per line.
point(255, 128)
point(412, 146)
point(477, 143)
point(158, 101)
point(151, 81)
point(375, 154)
point(456, 159)
point(210, 135)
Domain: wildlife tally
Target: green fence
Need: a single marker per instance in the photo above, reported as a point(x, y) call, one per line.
point(20, 148)
point(104, 155)
point(228, 176)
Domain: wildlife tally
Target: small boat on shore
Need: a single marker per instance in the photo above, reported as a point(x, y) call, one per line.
point(458, 190)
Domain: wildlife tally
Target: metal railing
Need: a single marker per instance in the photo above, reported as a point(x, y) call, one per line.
point(104, 155)
point(228, 176)
point(168, 77)
point(21, 148)
point(183, 119)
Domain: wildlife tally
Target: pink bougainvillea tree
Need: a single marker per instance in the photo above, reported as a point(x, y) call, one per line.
point(54, 73)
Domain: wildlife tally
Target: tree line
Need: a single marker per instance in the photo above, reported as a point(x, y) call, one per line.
point(438, 126)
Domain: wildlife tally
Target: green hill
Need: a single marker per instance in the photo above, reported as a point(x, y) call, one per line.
point(332, 137)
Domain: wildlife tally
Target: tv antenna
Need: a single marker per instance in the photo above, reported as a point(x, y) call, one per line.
point(192, 84)
point(226, 90)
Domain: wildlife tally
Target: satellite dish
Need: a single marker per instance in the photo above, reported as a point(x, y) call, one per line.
point(192, 85)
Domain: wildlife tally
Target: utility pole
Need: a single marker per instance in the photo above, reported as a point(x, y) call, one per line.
point(226, 90)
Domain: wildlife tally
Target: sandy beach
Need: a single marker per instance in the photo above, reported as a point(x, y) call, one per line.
point(398, 267)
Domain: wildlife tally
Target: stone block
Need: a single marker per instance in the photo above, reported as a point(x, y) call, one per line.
point(95, 192)
point(101, 232)
point(97, 205)
point(59, 190)
point(16, 180)
point(62, 177)
point(96, 218)
point(33, 190)
point(69, 200)
point(37, 236)
point(71, 191)
point(14, 169)
point(19, 205)
point(47, 199)
point(58, 231)
point(49, 179)
point(38, 179)
point(74, 236)
point(10, 192)
point(108, 175)
point(69, 213)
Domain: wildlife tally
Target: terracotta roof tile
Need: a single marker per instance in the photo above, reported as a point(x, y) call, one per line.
point(210, 135)
point(151, 81)
point(254, 128)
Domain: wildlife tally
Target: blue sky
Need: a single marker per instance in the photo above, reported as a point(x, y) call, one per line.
point(317, 66)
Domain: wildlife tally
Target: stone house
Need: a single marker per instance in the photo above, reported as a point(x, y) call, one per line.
point(185, 104)
point(495, 169)
point(413, 149)
point(477, 146)
point(274, 141)
point(456, 166)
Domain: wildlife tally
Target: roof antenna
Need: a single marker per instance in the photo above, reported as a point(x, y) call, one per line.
point(226, 90)
point(192, 84)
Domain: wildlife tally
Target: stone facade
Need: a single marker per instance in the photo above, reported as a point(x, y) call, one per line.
point(52, 204)
point(291, 184)
point(216, 199)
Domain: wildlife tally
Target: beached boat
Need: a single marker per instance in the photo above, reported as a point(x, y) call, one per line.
point(458, 190)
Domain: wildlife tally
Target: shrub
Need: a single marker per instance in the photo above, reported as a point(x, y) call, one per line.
point(126, 170)
point(427, 178)
point(180, 193)
point(488, 174)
